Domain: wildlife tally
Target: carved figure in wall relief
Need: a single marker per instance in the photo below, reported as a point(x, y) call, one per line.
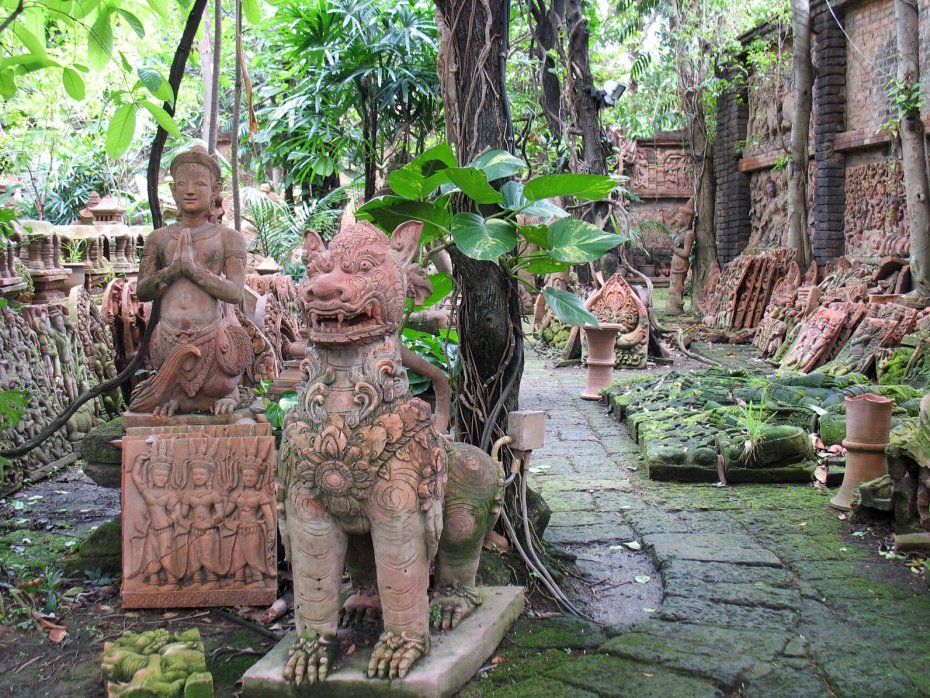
point(363, 468)
point(201, 509)
point(254, 524)
point(197, 268)
point(152, 545)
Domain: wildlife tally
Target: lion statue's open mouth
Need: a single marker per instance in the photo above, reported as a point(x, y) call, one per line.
point(339, 324)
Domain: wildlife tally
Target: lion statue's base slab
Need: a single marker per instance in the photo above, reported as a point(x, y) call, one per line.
point(453, 660)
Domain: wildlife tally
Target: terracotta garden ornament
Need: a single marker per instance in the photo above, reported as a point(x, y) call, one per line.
point(684, 242)
point(366, 481)
point(868, 426)
point(197, 268)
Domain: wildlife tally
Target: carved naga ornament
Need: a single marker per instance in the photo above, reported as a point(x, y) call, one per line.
point(366, 481)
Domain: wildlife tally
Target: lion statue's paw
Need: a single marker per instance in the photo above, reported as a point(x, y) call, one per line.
point(363, 605)
point(310, 658)
point(395, 654)
point(451, 604)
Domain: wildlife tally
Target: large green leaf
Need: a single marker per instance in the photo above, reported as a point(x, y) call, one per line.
point(482, 239)
point(162, 118)
point(156, 84)
point(497, 164)
point(31, 41)
point(252, 11)
point(572, 240)
point(13, 404)
point(388, 212)
point(121, 129)
point(406, 182)
point(7, 84)
point(587, 187)
point(474, 184)
point(100, 39)
point(133, 22)
point(74, 83)
point(160, 6)
point(514, 200)
point(535, 235)
point(568, 307)
point(542, 263)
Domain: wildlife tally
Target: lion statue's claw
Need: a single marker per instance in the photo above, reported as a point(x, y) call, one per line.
point(395, 654)
point(310, 658)
point(451, 604)
point(362, 606)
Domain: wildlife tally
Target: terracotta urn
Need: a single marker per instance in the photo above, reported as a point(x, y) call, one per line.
point(601, 342)
point(78, 273)
point(868, 425)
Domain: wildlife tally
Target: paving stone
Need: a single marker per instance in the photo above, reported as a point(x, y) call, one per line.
point(756, 594)
point(714, 547)
point(787, 682)
point(592, 533)
point(713, 573)
point(696, 610)
point(724, 656)
point(663, 521)
point(615, 676)
point(572, 501)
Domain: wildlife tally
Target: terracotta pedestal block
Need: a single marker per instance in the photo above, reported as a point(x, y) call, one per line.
point(454, 658)
point(600, 359)
point(868, 425)
point(199, 518)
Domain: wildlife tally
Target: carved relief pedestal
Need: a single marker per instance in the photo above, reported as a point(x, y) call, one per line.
point(199, 518)
point(600, 359)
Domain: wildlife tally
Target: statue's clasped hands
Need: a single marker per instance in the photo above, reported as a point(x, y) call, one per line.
point(184, 262)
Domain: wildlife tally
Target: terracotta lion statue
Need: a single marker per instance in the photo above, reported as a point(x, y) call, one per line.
point(367, 482)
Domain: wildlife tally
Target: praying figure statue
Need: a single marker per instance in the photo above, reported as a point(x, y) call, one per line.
point(197, 268)
point(684, 242)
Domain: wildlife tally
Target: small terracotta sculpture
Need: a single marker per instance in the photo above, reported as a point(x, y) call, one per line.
point(197, 268)
point(684, 242)
point(366, 479)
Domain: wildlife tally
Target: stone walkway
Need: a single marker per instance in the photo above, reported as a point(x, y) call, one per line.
point(765, 592)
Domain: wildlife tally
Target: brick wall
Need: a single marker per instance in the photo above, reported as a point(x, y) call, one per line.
point(849, 150)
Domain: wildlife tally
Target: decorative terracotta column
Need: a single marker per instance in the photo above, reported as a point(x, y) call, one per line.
point(868, 425)
point(601, 342)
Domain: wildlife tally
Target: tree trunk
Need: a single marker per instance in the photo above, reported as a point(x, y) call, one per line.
point(545, 27)
point(206, 73)
point(471, 74)
point(913, 152)
point(584, 105)
point(215, 78)
point(798, 233)
point(691, 72)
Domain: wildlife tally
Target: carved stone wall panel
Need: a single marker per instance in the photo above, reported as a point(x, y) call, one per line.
point(771, 105)
point(876, 213)
point(43, 351)
point(199, 520)
point(661, 167)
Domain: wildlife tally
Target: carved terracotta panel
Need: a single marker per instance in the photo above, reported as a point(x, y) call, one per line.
point(876, 220)
point(617, 304)
point(815, 340)
point(199, 520)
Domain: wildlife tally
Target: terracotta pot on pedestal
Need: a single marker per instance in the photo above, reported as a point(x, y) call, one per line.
point(601, 359)
point(868, 425)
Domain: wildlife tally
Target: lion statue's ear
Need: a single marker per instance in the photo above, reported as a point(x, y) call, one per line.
point(313, 243)
point(404, 241)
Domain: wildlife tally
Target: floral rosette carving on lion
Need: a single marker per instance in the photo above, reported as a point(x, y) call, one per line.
point(367, 482)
